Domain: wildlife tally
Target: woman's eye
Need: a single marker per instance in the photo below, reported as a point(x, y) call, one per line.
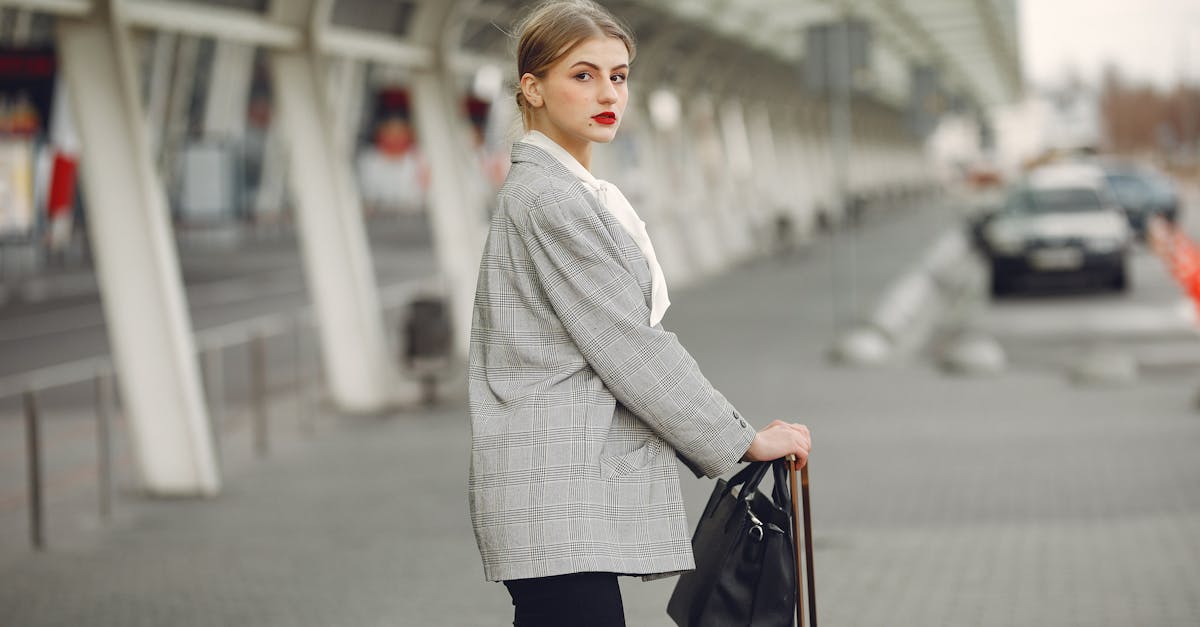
point(583, 76)
point(618, 78)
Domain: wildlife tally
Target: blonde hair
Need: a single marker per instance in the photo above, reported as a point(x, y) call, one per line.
point(552, 30)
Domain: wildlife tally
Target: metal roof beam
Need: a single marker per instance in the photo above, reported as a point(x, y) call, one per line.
point(354, 43)
point(196, 19)
point(58, 7)
point(1005, 53)
point(908, 22)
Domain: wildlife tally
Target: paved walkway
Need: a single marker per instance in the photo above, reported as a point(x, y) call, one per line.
point(1005, 501)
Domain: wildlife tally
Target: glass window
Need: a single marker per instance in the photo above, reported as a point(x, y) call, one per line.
point(1130, 190)
point(1160, 189)
point(1054, 200)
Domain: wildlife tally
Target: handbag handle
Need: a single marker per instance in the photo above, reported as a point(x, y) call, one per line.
point(782, 495)
point(749, 478)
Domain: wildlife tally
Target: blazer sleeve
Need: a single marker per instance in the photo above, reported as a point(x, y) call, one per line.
point(603, 309)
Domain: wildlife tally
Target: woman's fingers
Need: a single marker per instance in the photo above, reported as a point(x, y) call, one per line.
point(804, 442)
point(794, 426)
point(780, 439)
point(799, 430)
point(800, 440)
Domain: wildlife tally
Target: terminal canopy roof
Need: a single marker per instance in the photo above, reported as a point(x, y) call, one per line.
point(973, 44)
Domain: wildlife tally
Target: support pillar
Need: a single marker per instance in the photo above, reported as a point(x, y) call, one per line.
point(361, 374)
point(229, 90)
point(455, 216)
point(455, 213)
point(701, 168)
point(344, 84)
point(661, 193)
point(136, 262)
point(742, 204)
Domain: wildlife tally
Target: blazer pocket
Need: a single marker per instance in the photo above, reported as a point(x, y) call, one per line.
point(639, 458)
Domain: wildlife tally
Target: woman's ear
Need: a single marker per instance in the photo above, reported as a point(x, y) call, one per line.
point(532, 88)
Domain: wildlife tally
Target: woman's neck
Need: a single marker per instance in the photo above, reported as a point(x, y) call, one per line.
point(580, 149)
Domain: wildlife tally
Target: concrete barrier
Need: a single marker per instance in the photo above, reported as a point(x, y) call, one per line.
point(912, 307)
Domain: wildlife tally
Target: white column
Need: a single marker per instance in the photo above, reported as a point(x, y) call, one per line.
point(702, 170)
point(769, 163)
point(811, 183)
point(781, 176)
point(456, 214)
point(361, 374)
point(344, 84)
point(228, 90)
point(661, 194)
point(136, 263)
point(743, 203)
point(805, 187)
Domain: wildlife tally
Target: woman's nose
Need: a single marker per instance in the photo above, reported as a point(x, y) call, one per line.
point(608, 93)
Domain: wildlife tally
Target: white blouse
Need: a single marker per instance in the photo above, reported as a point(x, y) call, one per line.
point(616, 203)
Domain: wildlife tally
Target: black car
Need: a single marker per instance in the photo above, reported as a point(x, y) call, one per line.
point(1060, 222)
point(1142, 193)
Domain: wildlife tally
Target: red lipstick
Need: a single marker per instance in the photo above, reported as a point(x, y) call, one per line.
point(606, 118)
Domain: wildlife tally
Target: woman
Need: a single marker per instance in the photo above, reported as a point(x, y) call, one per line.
point(580, 400)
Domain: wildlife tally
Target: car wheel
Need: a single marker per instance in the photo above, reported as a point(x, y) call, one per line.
point(1000, 284)
point(1119, 280)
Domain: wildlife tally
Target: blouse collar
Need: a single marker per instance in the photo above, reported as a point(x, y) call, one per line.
point(539, 139)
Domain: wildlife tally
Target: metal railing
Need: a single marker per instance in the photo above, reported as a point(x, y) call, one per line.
point(211, 346)
point(28, 386)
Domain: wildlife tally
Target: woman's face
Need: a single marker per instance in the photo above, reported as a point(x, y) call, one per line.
point(582, 97)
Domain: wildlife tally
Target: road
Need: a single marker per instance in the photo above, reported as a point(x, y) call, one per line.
point(65, 322)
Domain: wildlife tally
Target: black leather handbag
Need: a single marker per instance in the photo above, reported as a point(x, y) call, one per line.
point(745, 556)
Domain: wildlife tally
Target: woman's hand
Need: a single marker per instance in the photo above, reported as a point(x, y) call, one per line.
point(780, 439)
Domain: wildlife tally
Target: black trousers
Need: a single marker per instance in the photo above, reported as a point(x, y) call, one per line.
point(575, 600)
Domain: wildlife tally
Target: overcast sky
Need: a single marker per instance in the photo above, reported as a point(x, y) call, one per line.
point(1153, 41)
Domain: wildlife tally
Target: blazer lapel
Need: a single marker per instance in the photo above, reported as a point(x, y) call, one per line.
point(635, 261)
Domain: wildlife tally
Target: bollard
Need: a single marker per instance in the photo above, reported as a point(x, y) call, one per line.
point(33, 444)
point(104, 447)
point(258, 384)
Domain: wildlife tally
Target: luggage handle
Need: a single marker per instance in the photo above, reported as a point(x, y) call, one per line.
point(807, 558)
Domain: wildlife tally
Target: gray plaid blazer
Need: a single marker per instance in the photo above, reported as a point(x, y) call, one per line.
point(578, 405)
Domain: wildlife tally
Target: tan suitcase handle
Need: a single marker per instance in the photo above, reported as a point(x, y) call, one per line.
point(807, 559)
